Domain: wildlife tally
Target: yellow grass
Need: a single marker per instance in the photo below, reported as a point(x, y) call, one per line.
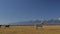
point(30, 30)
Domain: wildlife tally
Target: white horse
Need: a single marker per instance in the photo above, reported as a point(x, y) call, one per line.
point(39, 25)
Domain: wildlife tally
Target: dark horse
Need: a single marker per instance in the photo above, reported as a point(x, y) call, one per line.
point(0, 26)
point(7, 26)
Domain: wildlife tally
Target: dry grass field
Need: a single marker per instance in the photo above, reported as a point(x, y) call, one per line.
point(30, 30)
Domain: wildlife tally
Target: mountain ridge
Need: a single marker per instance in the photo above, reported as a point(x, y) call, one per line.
point(33, 22)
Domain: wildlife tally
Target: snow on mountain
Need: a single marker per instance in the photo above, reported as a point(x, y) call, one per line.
point(32, 22)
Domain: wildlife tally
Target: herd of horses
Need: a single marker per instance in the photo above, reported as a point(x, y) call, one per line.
point(37, 25)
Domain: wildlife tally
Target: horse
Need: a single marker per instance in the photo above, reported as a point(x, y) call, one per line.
point(39, 25)
point(7, 26)
point(0, 26)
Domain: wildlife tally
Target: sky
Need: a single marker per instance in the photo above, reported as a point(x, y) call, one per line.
point(21, 10)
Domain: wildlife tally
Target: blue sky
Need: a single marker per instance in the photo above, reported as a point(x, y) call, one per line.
point(20, 10)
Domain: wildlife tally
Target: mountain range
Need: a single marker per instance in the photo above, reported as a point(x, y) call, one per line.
point(33, 22)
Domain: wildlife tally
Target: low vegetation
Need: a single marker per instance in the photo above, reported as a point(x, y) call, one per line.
point(30, 30)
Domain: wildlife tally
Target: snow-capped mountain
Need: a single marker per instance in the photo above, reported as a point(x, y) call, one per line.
point(53, 21)
point(32, 22)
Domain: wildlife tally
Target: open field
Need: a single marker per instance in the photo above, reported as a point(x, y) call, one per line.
point(30, 30)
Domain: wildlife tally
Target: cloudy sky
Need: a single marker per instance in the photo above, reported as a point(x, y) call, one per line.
point(21, 10)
